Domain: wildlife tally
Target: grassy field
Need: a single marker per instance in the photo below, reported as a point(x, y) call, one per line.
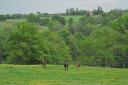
point(16, 20)
point(55, 75)
point(75, 18)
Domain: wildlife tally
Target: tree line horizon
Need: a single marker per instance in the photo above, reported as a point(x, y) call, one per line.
point(68, 12)
point(98, 38)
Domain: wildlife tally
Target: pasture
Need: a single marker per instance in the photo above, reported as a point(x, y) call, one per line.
point(75, 18)
point(55, 75)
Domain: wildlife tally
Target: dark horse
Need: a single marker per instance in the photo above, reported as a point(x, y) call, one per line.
point(66, 65)
point(44, 62)
point(78, 65)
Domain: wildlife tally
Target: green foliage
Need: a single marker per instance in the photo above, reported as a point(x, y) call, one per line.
point(72, 11)
point(59, 19)
point(2, 18)
point(64, 33)
point(27, 45)
point(73, 45)
point(56, 49)
point(44, 22)
point(105, 39)
point(4, 36)
point(1, 45)
point(110, 16)
point(95, 20)
point(24, 44)
point(32, 18)
point(55, 25)
point(121, 25)
point(98, 11)
point(45, 15)
point(99, 39)
point(87, 29)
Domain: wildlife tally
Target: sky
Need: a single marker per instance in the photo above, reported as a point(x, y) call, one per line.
point(57, 6)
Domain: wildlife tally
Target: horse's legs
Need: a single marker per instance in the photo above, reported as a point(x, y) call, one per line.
point(66, 68)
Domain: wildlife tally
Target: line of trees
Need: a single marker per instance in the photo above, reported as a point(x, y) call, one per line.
point(69, 12)
point(73, 11)
point(94, 41)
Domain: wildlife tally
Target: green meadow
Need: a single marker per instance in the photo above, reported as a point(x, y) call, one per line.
point(75, 18)
point(55, 75)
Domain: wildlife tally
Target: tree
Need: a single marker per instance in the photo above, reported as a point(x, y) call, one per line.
point(97, 48)
point(56, 48)
point(2, 45)
point(64, 33)
point(72, 11)
point(15, 16)
point(70, 25)
point(32, 18)
point(44, 22)
point(24, 44)
point(45, 15)
point(67, 12)
point(73, 45)
point(2, 18)
point(97, 20)
point(62, 20)
point(77, 11)
point(98, 11)
point(28, 46)
point(104, 40)
point(87, 29)
point(121, 26)
point(5, 31)
point(87, 52)
point(55, 25)
point(39, 14)
point(59, 18)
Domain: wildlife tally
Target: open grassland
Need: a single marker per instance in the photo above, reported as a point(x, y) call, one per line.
point(75, 18)
point(55, 75)
point(16, 20)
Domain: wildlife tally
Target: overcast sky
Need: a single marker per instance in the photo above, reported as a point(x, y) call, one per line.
point(56, 6)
